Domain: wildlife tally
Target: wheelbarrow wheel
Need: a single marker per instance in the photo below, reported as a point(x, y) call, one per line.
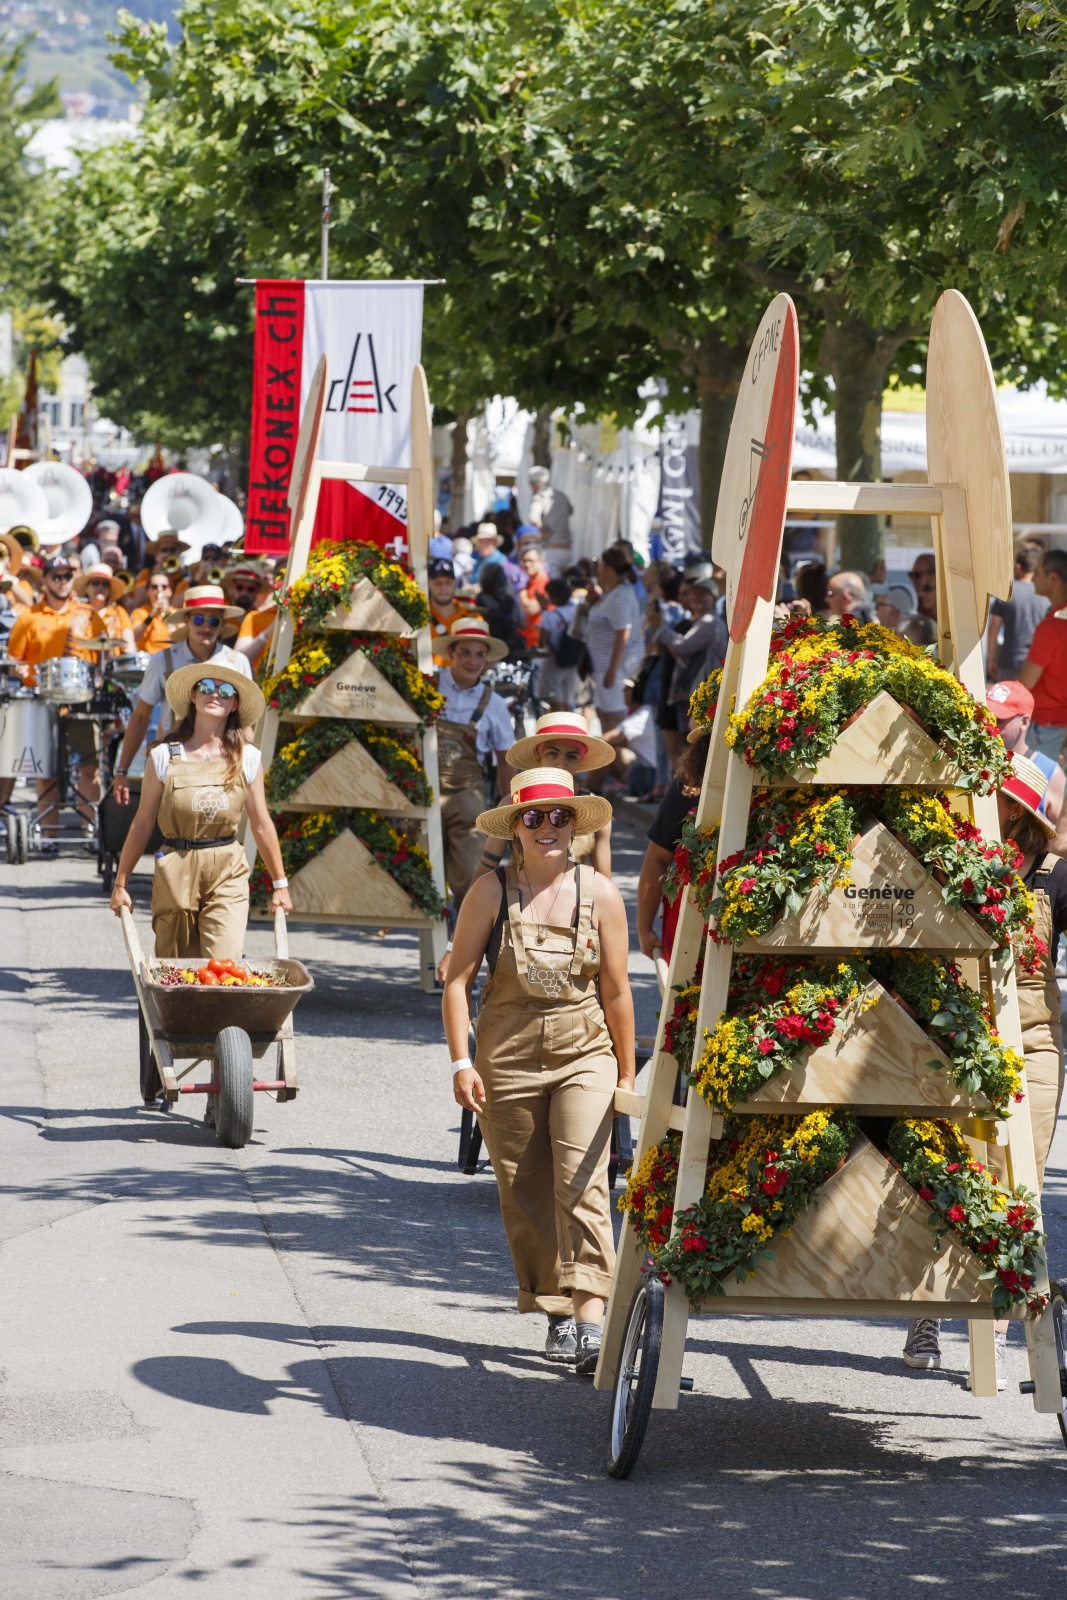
point(1058, 1301)
point(151, 1084)
point(233, 1073)
point(635, 1381)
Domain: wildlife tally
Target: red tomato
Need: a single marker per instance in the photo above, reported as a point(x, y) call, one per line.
point(240, 973)
point(225, 964)
point(208, 978)
point(217, 967)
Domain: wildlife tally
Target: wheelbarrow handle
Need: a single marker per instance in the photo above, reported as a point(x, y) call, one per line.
point(133, 942)
point(281, 936)
point(661, 968)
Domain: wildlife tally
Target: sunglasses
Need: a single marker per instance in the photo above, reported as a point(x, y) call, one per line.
point(224, 690)
point(62, 577)
point(100, 583)
point(200, 621)
point(925, 588)
point(559, 817)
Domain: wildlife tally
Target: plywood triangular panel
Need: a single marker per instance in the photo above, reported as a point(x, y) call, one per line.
point(868, 1239)
point(368, 611)
point(357, 689)
point(890, 903)
point(883, 745)
point(351, 777)
point(876, 1057)
point(345, 880)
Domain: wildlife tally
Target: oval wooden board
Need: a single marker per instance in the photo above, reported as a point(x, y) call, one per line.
point(965, 443)
point(750, 513)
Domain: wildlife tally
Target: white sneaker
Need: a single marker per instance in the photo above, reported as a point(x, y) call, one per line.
point(922, 1348)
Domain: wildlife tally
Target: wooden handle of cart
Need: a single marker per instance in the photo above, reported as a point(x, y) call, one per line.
point(133, 942)
point(281, 936)
point(661, 968)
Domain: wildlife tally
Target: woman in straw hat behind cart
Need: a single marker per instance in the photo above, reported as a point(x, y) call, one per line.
point(555, 1038)
point(198, 784)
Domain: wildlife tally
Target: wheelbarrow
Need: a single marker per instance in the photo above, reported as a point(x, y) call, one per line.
point(229, 1028)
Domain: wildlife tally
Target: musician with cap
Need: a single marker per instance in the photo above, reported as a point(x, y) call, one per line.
point(198, 631)
point(54, 627)
point(555, 1038)
point(445, 609)
point(249, 585)
point(103, 591)
point(475, 721)
point(166, 551)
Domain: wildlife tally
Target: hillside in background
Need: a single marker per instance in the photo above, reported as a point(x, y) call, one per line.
point(71, 46)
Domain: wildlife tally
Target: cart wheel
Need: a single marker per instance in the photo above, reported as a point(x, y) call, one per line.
point(1058, 1300)
point(23, 839)
point(635, 1381)
point(151, 1083)
point(12, 841)
point(233, 1069)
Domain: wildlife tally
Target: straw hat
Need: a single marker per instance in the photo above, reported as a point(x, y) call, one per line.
point(488, 530)
point(207, 597)
point(1027, 786)
point(475, 628)
point(180, 686)
point(545, 787)
point(555, 725)
point(100, 570)
point(14, 550)
point(152, 545)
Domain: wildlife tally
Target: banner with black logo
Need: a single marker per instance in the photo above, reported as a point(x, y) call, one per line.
point(678, 510)
point(371, 335)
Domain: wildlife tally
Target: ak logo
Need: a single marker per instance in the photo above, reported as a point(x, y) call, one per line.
point(363, 389)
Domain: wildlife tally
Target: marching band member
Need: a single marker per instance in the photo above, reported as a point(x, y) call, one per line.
point(150, 631)
point(445, 609)
point(103, 591)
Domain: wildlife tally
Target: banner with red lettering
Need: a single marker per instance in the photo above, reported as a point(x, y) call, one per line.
point(371, 335)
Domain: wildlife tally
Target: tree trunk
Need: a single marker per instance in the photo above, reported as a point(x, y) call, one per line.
point(720, 368)
point(858, 358)
point(541, 448)
point(458, 473)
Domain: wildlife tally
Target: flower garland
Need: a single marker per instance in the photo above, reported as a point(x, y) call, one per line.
point(680, 1029)
point(822, 673)
point(778, 1011)
point(957, 1018)
point(762, 1174)
point(966, 1199)
point(315, 658)
point(312, 743)
point(307, 835)
point(705, 698)
point(649, 1195)
point(333, 570)
point(694, 857)
point(803, 840)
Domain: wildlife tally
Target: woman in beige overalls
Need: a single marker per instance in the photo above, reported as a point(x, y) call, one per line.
point(198, 784)
point(555, 1038)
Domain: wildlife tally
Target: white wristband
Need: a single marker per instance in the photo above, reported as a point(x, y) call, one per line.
point(448, 947)
point(462, 1065)
point(279, 883)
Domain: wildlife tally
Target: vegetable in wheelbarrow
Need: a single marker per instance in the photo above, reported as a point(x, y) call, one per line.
point(218, 973)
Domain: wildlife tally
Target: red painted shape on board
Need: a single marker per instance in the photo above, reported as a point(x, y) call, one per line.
point(763, 545)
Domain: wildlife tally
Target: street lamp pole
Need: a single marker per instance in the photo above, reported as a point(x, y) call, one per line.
point(326, 193)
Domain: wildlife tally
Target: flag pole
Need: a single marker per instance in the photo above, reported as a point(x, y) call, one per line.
point(326, 192)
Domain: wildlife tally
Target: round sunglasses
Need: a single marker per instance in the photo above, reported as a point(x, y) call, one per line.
point(206, 622)
point(559, 817)
point(224, 690)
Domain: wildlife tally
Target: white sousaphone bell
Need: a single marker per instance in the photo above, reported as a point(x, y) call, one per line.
point(69, 500)
point(22, 502)
point(189, 505)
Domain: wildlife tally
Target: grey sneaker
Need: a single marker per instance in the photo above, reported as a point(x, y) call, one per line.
point(588, 1353)
point(922, 1348)
point(1000, 1343)
point(562, 1342)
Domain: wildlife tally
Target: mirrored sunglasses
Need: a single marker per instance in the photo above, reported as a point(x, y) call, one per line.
point(202, 621)
point(559, 817)
point(224, 690)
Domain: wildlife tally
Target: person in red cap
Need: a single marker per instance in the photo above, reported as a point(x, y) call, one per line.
point(198, 630)
point(1013, 706)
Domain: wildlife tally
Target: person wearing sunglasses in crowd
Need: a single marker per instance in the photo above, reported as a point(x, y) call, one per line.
point(150, 631)
point(555, 1038)
point(197, 630)
point(200, 780)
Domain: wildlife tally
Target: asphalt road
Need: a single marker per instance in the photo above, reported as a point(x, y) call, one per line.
point(294, 1372)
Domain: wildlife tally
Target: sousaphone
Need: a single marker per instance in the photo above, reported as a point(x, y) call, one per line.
point(68, 497)
point(191, 507)
point(21, 501)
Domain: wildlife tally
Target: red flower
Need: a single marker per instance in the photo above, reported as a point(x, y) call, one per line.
point(956, 1214)
point(766, 1046)
point(747, 885)
point(926, 1194)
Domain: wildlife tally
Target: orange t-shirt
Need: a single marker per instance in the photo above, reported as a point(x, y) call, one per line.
point(441, 625)
point(41, 633)
point(156, 636)
point(535, 588)
point(115, 619)
point(255, 623)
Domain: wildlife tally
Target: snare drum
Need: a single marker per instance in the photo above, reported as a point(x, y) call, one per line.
point(65, 680)
point(27, 737)
point(128, 671)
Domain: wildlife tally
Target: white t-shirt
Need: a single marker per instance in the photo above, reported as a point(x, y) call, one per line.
point(153, 684)
point(495, 729)
point(250, 761)
point(614, 611)
point(639, 731)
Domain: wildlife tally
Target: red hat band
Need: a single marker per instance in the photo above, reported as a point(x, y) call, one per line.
point(561, 730)
point(541, 791)
point(1022, 791)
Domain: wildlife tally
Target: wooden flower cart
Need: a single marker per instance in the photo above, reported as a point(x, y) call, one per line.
point(865, 1248)
point(344, 883)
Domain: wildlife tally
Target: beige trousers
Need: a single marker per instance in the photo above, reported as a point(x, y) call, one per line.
point(200, 903)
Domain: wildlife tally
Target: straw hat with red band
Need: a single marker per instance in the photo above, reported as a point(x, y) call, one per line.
point(206, 597)
point(475, 630)
point(554, 727)
point(1026, 787)
point(542, 788)
point(103, 572)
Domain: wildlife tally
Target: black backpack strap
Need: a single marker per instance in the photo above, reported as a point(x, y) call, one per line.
point(479, 710)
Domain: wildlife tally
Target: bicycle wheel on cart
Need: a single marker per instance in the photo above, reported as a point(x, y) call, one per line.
point(635, 1381)
point(151, 1083)
point(1058, 1299)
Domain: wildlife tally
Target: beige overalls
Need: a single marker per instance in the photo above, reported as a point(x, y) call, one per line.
point(462, 796)
point(1039, 1012)
point(545, 1057)
point(200, 895)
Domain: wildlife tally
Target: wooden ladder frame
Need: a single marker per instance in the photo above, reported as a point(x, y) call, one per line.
point(304, 496)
